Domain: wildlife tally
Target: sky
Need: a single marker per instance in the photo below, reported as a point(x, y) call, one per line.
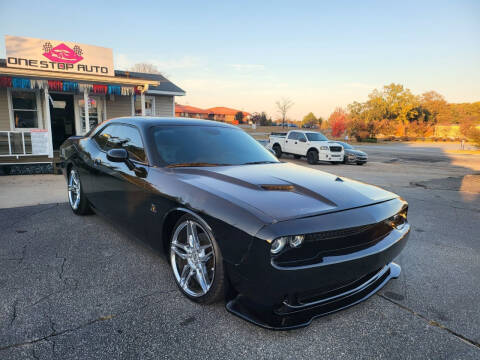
point(249, 54)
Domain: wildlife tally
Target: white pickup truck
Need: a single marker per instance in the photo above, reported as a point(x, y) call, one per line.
point(313, 145)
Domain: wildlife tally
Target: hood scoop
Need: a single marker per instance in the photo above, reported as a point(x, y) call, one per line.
point(278, 187)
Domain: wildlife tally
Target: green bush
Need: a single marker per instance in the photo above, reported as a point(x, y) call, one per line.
point(368, 140)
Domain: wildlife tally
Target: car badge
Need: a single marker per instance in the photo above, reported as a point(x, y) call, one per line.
point(153, 208)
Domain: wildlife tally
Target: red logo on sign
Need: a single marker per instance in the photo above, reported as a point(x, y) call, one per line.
point(62, 53)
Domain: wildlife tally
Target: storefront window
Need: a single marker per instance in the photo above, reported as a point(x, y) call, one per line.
point(24, 109)
point(149, 107)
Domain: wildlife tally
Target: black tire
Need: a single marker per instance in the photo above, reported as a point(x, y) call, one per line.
point(334, 162)
point(83, 206)
point(345, 160)
point(297, 156)
point(312, 157)
point(216, 290)
point(278, 151)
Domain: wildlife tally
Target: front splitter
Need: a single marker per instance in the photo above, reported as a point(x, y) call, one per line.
point(287, 317)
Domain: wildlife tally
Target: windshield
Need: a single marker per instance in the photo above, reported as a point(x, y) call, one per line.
point(316, 136)
point(207, 146)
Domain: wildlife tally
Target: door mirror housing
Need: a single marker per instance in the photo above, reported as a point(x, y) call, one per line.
point(117, 155)
point(121, 155)
point(302, 140)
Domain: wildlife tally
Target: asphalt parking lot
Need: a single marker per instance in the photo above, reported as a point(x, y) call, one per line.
point(77, 288)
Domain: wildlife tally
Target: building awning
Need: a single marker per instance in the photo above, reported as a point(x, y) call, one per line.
point(53, 75)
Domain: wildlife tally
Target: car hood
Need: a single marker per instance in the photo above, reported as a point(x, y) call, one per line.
point(356, 152)
point(283, 191)
point(324, 141)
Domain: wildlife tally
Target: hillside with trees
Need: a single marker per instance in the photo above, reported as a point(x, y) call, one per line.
point(395, 111)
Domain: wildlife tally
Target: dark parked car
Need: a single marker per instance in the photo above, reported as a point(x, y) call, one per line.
point(281, 243)
point(352, 155)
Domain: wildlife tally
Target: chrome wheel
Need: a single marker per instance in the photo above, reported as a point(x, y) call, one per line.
point(192, 258)
point(74, 189)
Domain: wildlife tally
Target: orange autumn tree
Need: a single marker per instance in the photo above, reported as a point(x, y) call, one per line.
point(338, 122)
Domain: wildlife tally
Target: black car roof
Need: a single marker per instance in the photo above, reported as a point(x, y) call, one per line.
point(146, 122)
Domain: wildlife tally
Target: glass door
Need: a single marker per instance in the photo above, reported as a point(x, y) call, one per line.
point(95, 112)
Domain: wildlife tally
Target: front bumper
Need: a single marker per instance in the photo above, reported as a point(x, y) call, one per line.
point(287, 297)
point(288, 317)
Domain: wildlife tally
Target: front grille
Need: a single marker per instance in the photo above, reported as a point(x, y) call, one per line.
point(335, 148)
point(337, 233)
point(333, 243)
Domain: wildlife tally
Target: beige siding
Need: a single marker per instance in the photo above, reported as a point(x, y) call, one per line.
point(164, 106)
point(121, 106)
point(4, 114)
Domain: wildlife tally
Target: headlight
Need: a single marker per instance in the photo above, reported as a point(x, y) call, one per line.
point(278, 245)
point(296, 241)
point(323, 147)
point(398, 221)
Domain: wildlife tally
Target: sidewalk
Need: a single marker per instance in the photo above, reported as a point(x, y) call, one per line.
point(26, 190)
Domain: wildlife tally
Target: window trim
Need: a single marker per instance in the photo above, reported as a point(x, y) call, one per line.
point(99, 131)
point(39, 109)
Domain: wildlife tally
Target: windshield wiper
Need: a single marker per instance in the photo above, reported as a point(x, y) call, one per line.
point(194, 164)
point(260, 162)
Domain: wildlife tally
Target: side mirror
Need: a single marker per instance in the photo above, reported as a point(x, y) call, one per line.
point(302, 140)
point(121, 155)
point(117, 155)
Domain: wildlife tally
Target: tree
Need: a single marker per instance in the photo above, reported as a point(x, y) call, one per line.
point(283, 106)
point(239, 117)
point(255, 118)
point(309, 120)
point(145, 68)
point(263, 119)
point(320, 121)
point(338, 122)
point(434, 107)
point(390, 109)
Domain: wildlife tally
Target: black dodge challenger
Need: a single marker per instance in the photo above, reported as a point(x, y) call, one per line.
point(281, 243)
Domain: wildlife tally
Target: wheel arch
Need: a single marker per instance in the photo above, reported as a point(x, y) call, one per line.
point(169, 221)
point(312, 148)
point(69, 167)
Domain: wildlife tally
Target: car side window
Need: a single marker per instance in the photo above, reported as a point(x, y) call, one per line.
point(292, 136)
point(128, 138)
point(118, 136)
point(103, 137)
point(301, 136)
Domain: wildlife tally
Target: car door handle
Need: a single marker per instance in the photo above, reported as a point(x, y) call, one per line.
point(286, 141)
point(97, 162)
point(295, 142)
